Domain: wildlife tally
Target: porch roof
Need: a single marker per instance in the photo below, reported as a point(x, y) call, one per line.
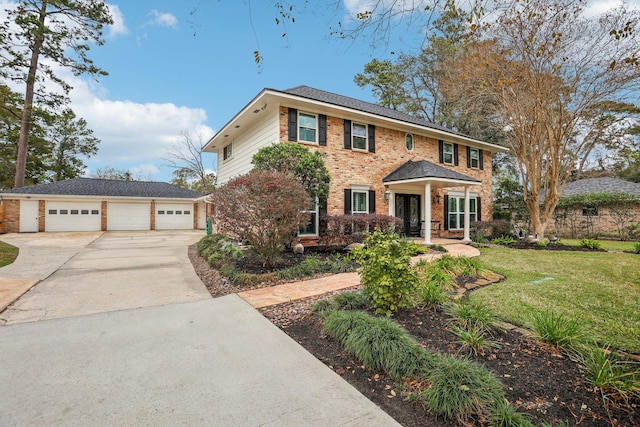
point(423, 170)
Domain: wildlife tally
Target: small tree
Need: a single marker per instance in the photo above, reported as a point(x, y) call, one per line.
point(263, 208)
point(306, 165)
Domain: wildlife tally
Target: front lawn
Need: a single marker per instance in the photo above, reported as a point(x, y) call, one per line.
point(609, 245)
point(8, 254)
point(600, 290)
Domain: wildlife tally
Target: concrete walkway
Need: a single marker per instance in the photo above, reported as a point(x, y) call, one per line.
point(265, 297)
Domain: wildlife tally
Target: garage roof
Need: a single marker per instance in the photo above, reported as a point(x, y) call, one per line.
point(108, 188)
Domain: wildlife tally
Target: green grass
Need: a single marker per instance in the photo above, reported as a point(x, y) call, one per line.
point(609, 245)
point(8, 254)
point(600, 290)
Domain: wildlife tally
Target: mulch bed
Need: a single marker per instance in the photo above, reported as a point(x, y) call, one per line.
point(537, 377)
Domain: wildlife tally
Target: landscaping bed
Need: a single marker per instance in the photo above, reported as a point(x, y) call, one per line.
point(539, 379)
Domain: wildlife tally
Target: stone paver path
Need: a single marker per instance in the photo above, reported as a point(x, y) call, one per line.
point(273, 295)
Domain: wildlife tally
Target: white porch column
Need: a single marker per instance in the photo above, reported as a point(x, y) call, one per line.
point(427, 213)
point(467, 216)
point(392, 203)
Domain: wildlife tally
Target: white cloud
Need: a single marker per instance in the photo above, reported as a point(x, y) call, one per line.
point(134, 136)
point(118, 27)
point(163, 19)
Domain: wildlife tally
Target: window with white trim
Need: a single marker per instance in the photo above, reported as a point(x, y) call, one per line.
point(474, 158)
point(447, 153)
point(307, 127)
point(456, 212)
point(358, 136)
point(359, 201)
point(311, 227)
point(408, 142)
point(227, 152)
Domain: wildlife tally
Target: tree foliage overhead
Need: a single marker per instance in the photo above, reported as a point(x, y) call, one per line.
point(263, 208)
point(305, 165)
point(58, 31)
point(551, 82)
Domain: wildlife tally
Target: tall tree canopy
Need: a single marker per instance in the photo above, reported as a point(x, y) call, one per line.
point(60, 32)
point(548, 80)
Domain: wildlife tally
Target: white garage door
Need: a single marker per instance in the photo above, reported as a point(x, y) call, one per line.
point(128, 216)
point(72, 216)
point(174, 216)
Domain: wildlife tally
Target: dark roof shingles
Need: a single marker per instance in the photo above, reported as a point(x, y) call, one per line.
point(108, 188)
point(424, 169)
point(599, 185)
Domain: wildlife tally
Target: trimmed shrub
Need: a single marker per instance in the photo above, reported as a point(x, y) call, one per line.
point(386, 272)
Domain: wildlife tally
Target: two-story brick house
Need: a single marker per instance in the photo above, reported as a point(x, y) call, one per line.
point(380, 160)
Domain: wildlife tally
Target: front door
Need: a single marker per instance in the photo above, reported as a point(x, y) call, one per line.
point(408, 210)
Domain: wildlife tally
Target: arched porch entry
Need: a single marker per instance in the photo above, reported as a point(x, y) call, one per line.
point(414, 188)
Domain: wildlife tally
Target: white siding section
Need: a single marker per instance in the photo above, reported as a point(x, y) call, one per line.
point(261, 134)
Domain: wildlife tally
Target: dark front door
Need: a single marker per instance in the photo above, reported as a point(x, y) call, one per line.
point(408, 209)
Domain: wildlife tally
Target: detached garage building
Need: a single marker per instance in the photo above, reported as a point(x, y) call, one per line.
point(89, 204)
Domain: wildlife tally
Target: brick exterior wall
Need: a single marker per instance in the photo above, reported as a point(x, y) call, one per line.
point(348, 167)
point(603, 224)
point(11, 216)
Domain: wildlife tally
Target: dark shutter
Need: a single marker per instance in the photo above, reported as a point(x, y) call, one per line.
point(372, 139)
point(480, 161)
point(478, 209)
point(347, 134)
point(293, 124)
point(372, 201)
point(322, 210)
point(441, 151)
point(347, 201)
point(446, 212)
point(468, 156)
point(322, 138)
point(455, 154)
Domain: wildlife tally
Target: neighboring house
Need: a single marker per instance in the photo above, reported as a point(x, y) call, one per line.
point(88, 204)
point(380, 160)
point(592, 210)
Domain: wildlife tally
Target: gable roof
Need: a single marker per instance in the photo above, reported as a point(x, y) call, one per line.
point(599, 185)
point(108, 188)
point(423, 169)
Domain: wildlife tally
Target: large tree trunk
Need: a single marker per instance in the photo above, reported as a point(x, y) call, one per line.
point(25, 122)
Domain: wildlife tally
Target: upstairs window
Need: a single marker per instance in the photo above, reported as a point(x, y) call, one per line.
point(227, 152)
point(408, 142)
point(359, 136)
point(447, 153)
point(474, 158)
point(307, 127)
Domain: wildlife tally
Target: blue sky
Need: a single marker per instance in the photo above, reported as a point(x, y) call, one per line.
point(171, 71)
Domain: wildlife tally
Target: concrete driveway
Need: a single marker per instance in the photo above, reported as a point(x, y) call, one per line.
point(84, 273)
point(157, 350)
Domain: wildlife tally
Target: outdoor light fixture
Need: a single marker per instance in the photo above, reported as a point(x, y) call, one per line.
point(436, 198)
point(386, 195)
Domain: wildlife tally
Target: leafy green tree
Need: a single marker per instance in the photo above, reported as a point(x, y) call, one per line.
point(305, 165)
point(58, 31)
point(71, 138)
point(263, 208)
